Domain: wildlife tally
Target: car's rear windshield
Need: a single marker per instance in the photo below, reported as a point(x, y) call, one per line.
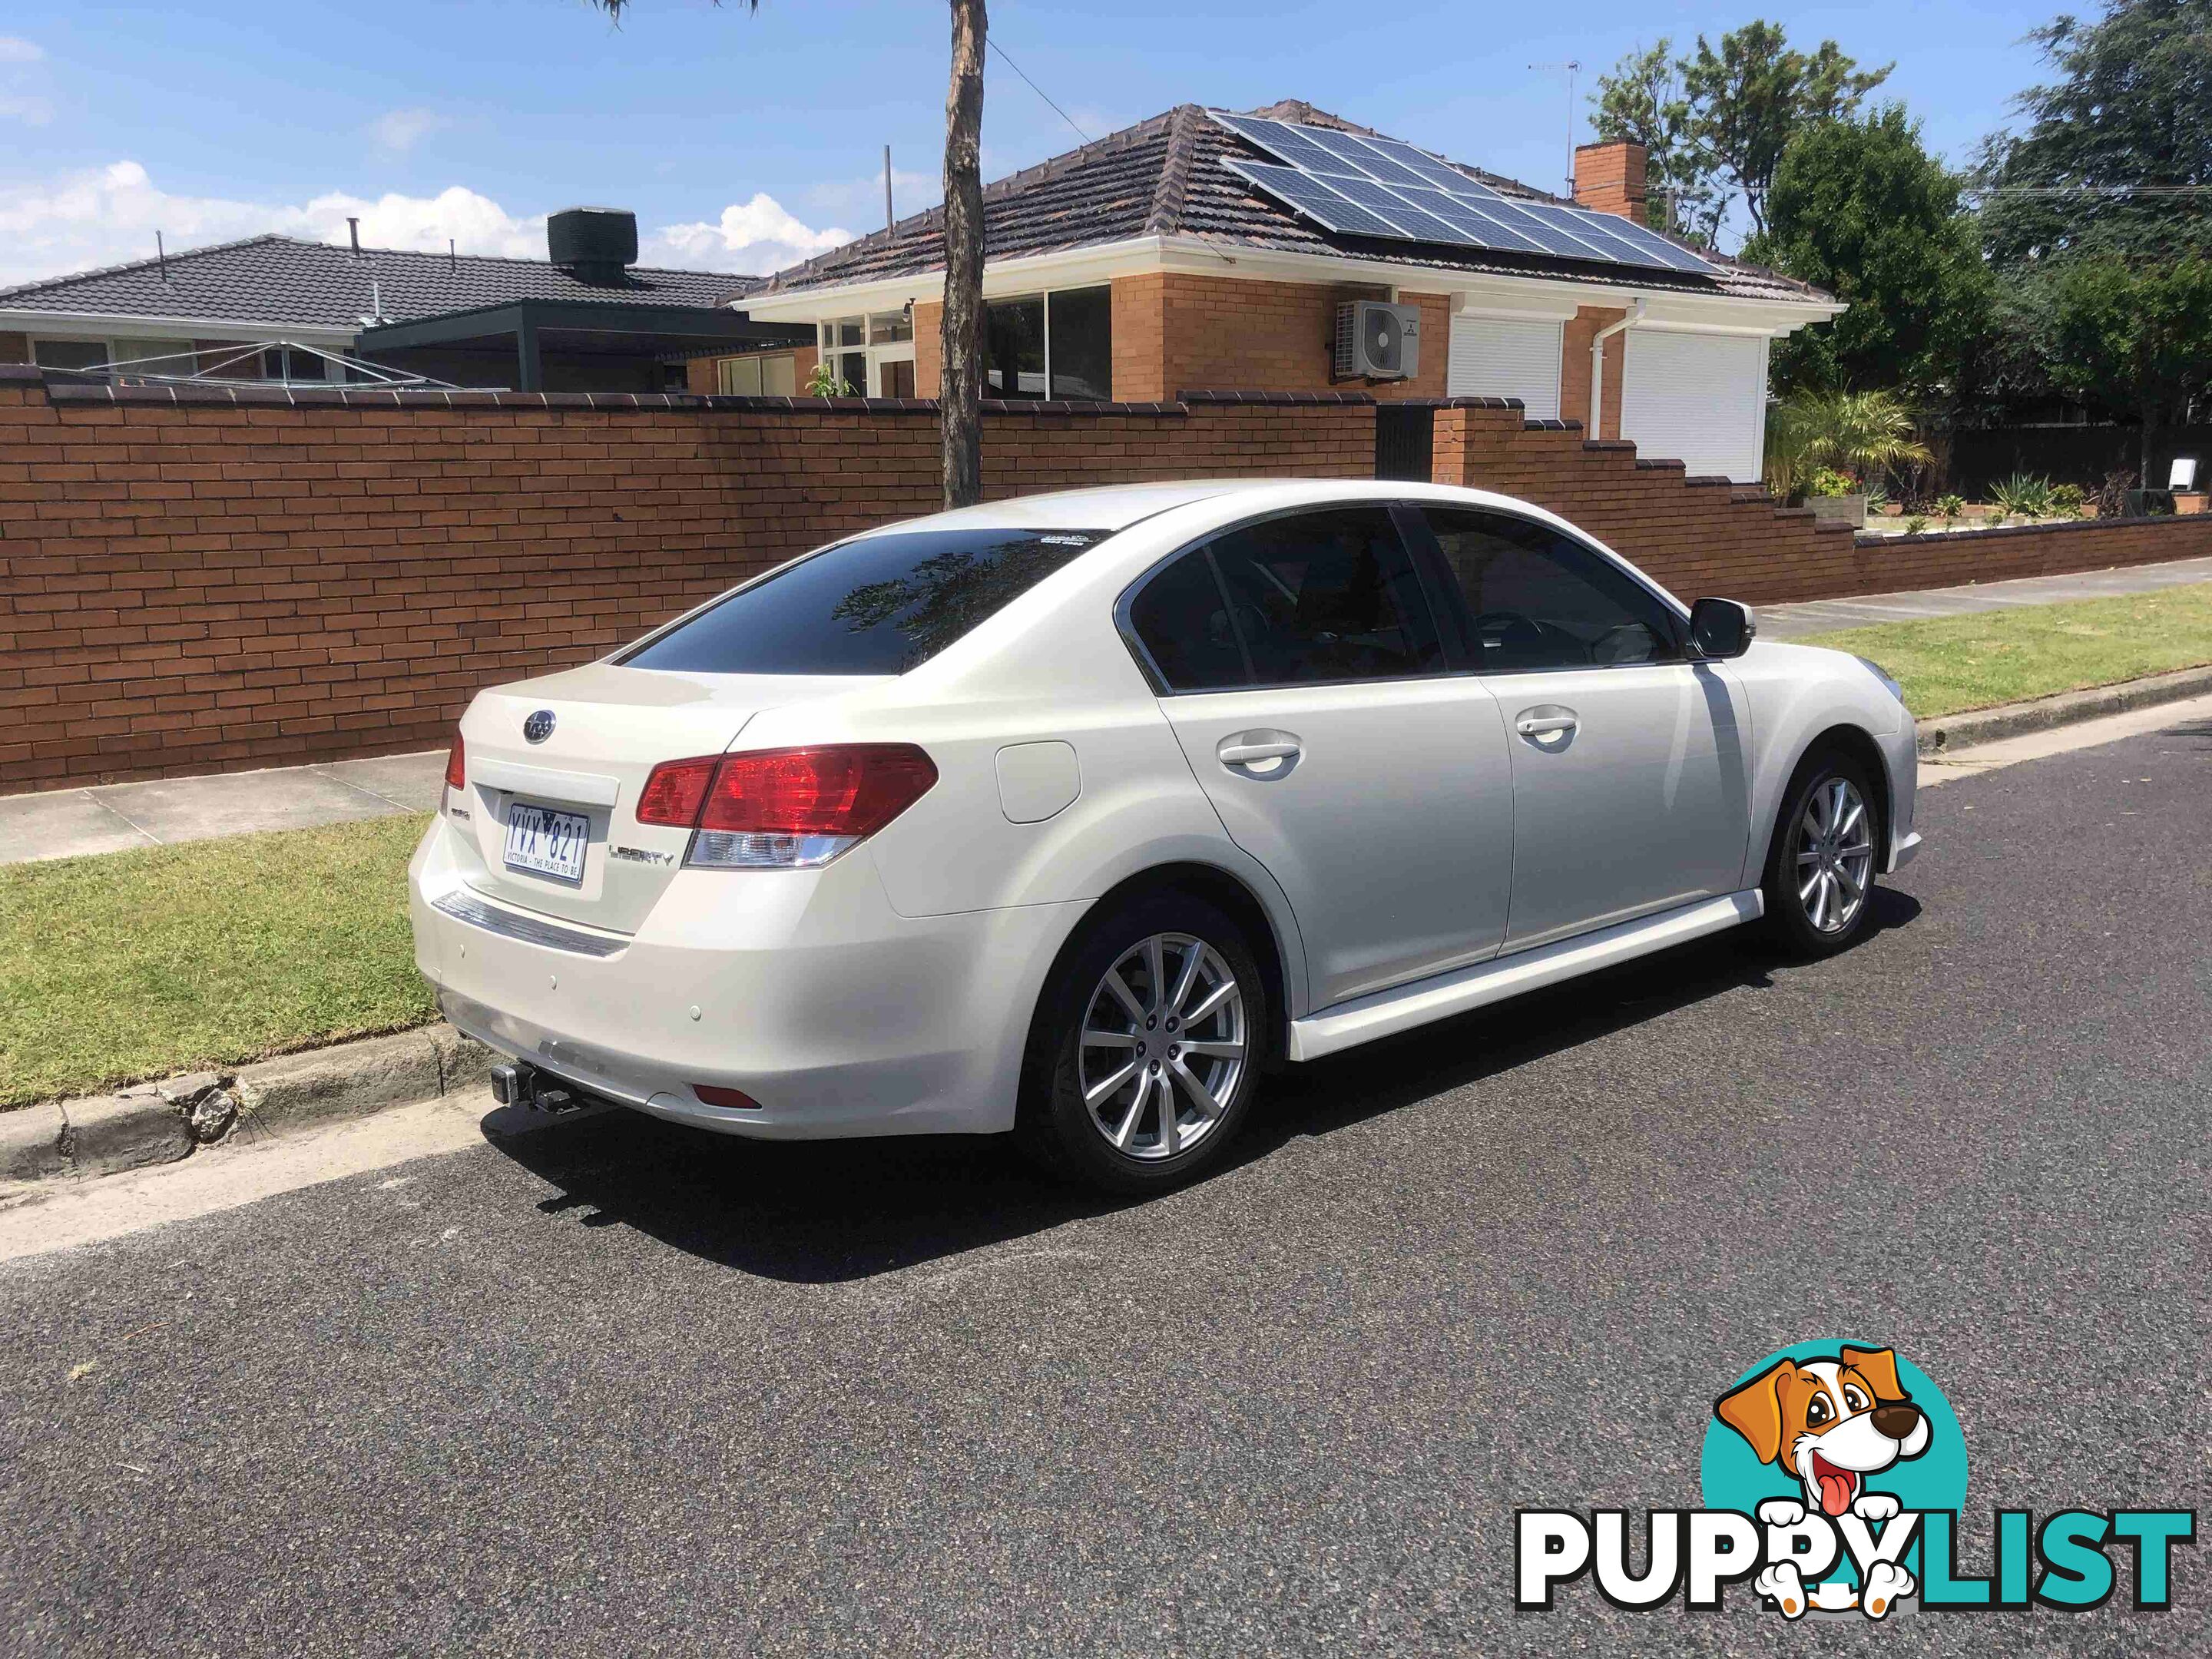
point(879, 605)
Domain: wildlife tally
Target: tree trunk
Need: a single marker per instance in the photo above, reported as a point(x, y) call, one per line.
point(960, 419)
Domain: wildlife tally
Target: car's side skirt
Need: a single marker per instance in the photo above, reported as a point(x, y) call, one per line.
point(1403, 1008)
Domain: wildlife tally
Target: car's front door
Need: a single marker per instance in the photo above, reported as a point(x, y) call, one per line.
point(1630, 781)
point(1305, 676)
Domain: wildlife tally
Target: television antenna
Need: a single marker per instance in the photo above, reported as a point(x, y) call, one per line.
point(1570, 69)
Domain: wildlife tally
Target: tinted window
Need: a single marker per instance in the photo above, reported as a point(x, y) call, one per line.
point(1013, 348)
point(1535, 598)
point(879, 605)
point(1083, 343)
point(1326, 596)
point(1183, 622)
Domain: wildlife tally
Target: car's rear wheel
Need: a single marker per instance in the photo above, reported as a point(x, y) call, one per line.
point(1147, 1046)
point(1821, 867)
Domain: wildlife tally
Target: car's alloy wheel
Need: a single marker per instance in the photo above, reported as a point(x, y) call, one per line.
point(1164, 1047)
point(1834, 863)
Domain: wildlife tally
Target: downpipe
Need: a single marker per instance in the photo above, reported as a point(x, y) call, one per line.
point(1598, 365)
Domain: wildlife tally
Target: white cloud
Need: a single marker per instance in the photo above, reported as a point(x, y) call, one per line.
point(21, 97)
point(753, 238)
point(400, 130)
point(109, 214)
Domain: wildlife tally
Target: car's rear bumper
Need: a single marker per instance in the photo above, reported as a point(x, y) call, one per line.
point(804, 989)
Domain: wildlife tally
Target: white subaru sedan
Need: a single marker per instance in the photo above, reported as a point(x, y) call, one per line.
point(1076, 814)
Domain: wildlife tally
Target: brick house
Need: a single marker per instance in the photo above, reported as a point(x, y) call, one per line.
point(1142, 265)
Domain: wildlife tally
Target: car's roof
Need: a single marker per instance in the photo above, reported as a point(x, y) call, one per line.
point(1105, 506)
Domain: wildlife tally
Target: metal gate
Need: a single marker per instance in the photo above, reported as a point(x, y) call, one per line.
point(1404, 440)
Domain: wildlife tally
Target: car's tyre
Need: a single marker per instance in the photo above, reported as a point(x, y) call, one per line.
point(1146, 1048)
point(1821, 864)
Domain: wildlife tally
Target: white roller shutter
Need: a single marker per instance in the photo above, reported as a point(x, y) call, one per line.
point(1502, 357)
point(1696, 399)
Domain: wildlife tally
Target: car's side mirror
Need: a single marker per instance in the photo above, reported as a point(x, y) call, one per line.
point(1720, 629)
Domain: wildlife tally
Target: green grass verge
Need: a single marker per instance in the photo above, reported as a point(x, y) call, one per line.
point(1949, 663)
point(132, 965)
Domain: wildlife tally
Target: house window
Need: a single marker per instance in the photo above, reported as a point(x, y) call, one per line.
point(1050, 345)
point(756, 377)
point(80, 355)
point(873, 355)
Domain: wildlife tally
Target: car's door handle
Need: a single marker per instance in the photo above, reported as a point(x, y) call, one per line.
point(1233, 753)
point(1537, 723)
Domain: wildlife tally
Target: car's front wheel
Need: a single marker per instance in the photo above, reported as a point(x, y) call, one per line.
point(1819, 869)
point(1147, 1046)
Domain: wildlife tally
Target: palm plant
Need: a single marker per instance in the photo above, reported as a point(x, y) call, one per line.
point(1855, 432)
point(960, 392)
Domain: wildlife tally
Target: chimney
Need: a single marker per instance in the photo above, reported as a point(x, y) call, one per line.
point(353, 230)
point(1609, 178)
point(592, 245)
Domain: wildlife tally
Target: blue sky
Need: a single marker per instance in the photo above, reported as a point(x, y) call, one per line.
point(746, 140)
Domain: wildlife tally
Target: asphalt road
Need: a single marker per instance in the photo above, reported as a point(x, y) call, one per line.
point(616, 1388)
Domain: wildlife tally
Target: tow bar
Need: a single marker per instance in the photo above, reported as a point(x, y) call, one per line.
point(517, 1084)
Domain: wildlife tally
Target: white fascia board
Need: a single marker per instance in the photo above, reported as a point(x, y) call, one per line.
point(1078, 267)
point(105, 324)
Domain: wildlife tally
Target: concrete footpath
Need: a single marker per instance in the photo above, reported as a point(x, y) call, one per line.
point(1795, 622)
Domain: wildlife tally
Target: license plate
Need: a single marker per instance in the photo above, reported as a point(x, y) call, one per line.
point(540, 841)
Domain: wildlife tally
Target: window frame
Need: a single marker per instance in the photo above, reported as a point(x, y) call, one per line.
point(1421, 554)
point(1432, 551)
point(1045, 296)
point(874, 352)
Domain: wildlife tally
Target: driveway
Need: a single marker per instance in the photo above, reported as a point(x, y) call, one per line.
point(616, 1387)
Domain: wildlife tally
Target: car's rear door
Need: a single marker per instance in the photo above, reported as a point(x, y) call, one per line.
point(1630, 762)
point(1307, 679)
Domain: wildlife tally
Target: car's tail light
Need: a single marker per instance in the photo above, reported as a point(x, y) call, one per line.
point(457, 766)
point(785, 809)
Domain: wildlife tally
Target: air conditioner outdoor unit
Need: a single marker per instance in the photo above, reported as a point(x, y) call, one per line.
point(1377, 342)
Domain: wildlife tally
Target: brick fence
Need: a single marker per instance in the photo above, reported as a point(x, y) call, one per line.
point(203, 580)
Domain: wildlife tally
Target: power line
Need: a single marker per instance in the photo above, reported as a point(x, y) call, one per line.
point(2088, 190)
point(1037, 89)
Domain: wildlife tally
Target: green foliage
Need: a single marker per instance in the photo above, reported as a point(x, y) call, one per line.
point(1855, 432)
point(1642, 102)
point(2135, 337)
point(1716, 121)
point(2127, 120)
point(2069, 500)
point(1826, 481)
point(1951, 506)
point(1860, 208)
point(1915, 525)
point(2023, 496)
point(824, 380)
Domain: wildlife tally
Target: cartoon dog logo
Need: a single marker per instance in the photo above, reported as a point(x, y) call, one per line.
point(1831, 1423)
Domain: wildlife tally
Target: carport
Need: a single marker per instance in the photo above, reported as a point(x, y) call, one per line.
point(574, 345)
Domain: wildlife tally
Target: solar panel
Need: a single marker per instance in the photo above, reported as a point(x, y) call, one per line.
point(1465, 213)
point(1368, 159)
point(1431, 170)
point(1678, 258)
point(1401, 210)
point(1313, 198)
point(1383, 187)
point(1289, 143)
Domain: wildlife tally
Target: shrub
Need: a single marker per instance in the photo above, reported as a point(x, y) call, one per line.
point(1915, 525)
point(824, 380)
point(1951, 506)
point(2069, 499)
point(2112, 495)
point(2023, 496)
point(1860, 432)
point(1826, 481)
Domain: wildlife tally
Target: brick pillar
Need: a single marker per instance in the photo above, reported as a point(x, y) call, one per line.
point(1609, 178)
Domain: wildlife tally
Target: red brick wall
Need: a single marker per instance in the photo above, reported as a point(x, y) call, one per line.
point(206, 581)
point(1228, 332)
point(227, 583)
point(1575, 367)
point(1708, 536)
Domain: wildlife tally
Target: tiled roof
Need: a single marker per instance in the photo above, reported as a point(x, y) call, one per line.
point(1165, 176)
point(283, 280)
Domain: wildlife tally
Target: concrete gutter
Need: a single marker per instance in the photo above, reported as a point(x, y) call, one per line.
point(2068, 708)
point(161, 1122)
